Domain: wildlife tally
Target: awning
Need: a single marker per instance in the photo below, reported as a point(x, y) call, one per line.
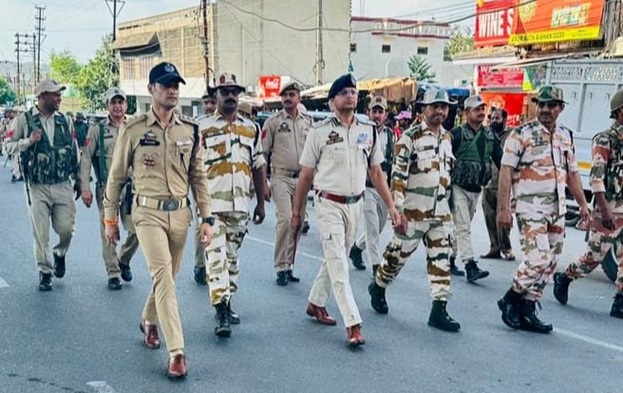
point(134, 41)
point(522, 63)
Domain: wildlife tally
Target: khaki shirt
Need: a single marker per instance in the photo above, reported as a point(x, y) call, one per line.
point(178, 163)
point(20, 140)
point(341, 155)
point(283, 139)
point(91, 150)
point(232, 152)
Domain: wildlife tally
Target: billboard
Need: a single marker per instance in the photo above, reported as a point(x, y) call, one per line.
point(494, 20)
point(513, 103)
point(507, 78)
point(269, 86)
point(543, 21)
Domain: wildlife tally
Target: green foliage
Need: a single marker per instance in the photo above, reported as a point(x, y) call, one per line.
point(64, 67)
point(461, 40)
point(420, 70)
point(97, 76)
point(6, 92)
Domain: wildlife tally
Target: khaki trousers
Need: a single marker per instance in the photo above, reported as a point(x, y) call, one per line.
point(162, 236)
point(16, 171)
point(465, 204)
point(283, 195)
point(109, 251)
point(375, 215)
point(223, 272)
point(499, 238)
point(200, 252)
point(337, 224)
point(55, 203)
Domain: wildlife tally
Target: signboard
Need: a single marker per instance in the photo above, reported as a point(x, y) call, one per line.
point(494, 20)
point(544, 21)
point(508, 78)
point(513, 103)
point(269, 86)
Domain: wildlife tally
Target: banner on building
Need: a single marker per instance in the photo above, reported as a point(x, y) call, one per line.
point(269, 86)
point(507, 78)
point(513, 103)
point(543, 21)
point(494, 20)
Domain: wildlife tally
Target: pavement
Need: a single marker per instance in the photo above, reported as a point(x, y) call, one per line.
point(82, 338)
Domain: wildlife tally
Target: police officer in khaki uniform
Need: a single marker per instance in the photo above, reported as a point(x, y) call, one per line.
point(44, 140)
point(164, 151)
point(98, 148)
point(283, 139)
point(342, 149)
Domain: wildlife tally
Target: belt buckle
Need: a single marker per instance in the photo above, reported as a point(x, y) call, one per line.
point(350, 199)
point(170, 205)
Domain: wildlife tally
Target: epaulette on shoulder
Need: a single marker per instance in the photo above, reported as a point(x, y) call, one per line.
point(135, 120)
point(413, 130)
point(367, 122)
point(323, 122)
point(188, 120)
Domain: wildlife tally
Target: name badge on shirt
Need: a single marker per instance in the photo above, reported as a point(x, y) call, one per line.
point(149, 139)
point(364, 141)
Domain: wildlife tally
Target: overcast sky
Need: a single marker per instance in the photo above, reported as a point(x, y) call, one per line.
point(78, 25)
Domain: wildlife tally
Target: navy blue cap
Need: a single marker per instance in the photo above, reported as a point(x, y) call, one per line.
point(346, 80)
point(165, 73)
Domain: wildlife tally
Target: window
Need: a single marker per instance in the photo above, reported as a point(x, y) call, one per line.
point(147, 63)
point(422, 50)
point(128, 69)
point(353, 47)
point(386, 48)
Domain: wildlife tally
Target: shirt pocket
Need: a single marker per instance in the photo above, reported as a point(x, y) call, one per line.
point(246, 150)
point(541, 154)
point(423, 161)
point(183, 151)
point(217, 148)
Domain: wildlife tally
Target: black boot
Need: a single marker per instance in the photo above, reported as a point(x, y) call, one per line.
point(561, 287)
point(509, 305)
point(291, 276)
point(59, 266)
point(223, 320)
point(529, 319)
point(200, 275)
point(355, 256)
point(454, 270)
point(473, 271)
point(306, 227)
point(45, 281)
point(617, 306)
point(282, 278)
point(374, 269)
point(440, 319)
point(377, 298)
point(126, 272)
point(234, 318)
point(114, 284)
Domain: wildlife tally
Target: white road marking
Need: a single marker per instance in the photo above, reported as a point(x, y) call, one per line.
point(3, 284)
point(101, 387)
point(570, 334)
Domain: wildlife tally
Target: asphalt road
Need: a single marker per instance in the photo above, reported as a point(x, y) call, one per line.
point(81, 337)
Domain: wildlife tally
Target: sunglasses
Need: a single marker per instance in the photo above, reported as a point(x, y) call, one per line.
point(549, 104)
point(231, 91)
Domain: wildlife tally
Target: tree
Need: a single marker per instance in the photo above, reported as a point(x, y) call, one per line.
point(64, 68)
point(97, 76)
point(461, 40)
point(7, 95)
point(420, 69)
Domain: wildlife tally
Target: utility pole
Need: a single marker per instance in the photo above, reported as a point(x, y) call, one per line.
point(115, 11)
point(40, 28)
point(319, 53)
point(205, 39)
point(21, 40)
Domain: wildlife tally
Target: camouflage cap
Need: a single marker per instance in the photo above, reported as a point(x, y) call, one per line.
point(549, 93)
point(616, 103)
point(228, 80)
point(379, 101)
point(434, 96)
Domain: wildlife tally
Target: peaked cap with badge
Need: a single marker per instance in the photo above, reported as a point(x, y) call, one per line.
point(379, 101)
point(165, 73)
point(115, 92)
point(344, 81)
point(474, 102)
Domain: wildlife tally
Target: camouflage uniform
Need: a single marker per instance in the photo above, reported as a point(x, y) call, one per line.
point(420, 187)
point(233, 151)
point(97, 151)
point(606, 176)
point(541, 163)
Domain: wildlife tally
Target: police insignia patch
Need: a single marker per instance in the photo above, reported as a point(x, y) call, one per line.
point(149, 139)
point(283, 127)
point(169, 68)
point(334, 137)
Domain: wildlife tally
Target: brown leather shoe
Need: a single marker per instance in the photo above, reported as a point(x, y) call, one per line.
point(321, 314)
point(355, 338)
point(177, 367)
point(151, 335)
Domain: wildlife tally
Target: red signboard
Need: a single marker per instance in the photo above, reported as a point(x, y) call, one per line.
point(508, 78)
point(513, 103)
point(494, 20)
point(269, 86)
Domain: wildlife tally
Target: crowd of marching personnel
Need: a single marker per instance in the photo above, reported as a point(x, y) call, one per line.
point(428, 182)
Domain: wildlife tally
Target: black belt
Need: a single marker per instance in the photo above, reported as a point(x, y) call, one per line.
point(346, 200)
point(161, 204)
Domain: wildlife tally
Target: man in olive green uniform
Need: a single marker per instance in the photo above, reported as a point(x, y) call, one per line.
point(164, 151)
point(283, 139)
point(82, 128)
point(98, 151)
point(44, 139)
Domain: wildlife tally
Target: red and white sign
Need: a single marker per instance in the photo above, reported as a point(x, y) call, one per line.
point(508, 78)
point(269, 86)
point(513, 103)
point(494, 22)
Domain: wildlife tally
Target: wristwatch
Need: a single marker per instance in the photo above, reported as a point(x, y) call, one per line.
point(208, 220)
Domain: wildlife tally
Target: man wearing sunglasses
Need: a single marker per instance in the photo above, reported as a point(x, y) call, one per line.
point(539, 162)
point(283, 139)
point(233, 158)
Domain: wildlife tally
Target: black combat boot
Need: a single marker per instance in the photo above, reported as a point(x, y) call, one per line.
point(223, 320)
point(355, 256)
point(510, 307)
point(282, 278)
point(126, 272)
point(45, 281)
point(561, 287)
point(291, 276)
point(374, 269)
point(440, 319)
point(234, 318)
point(473, 271)
point(377, 298)
point(529, 319)
point(59, 266)
point(454, 270)
point(617, 306)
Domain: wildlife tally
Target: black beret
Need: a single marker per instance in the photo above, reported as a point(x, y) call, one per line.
point(346, 80)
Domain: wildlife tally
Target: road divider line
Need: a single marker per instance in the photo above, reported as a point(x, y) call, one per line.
point(262, 241)
point(101, 387)
point(588, 339)
point(3, 284)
